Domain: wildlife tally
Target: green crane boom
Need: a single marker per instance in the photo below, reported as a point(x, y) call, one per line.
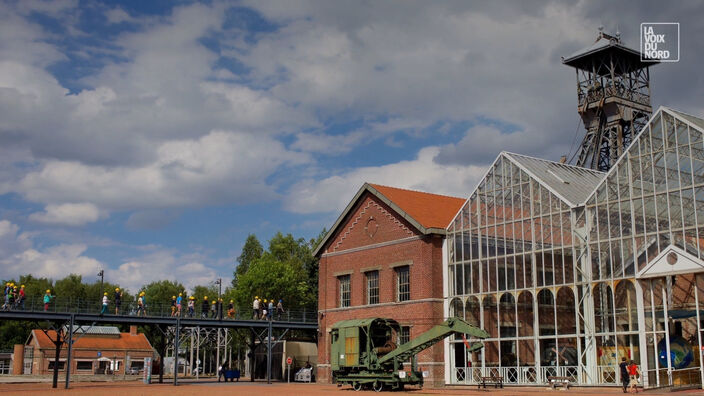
point(430, 337)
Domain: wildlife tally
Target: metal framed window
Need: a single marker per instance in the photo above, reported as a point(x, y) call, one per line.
point(372, 287)
point(403, 283)
point(404, 335)
point(344, 286)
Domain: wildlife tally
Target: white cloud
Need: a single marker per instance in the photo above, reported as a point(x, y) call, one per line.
point(117, 15)
point(333, 193)
point(70, 214)
point(18, 255)
point(221, 167)
point(160, 264)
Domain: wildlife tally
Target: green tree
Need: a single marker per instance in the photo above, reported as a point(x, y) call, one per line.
point(252, 250)
point(270, 278)
point(158, 294)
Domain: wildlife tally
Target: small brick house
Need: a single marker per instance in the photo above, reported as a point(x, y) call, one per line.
point(383, 257)
point(97, 350)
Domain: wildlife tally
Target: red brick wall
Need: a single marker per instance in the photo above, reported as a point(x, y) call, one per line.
point(423, 254)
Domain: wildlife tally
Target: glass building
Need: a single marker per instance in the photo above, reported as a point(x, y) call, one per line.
point(570, 269)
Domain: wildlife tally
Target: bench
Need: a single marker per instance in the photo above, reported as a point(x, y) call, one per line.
point(497, 381)
point(561, 381)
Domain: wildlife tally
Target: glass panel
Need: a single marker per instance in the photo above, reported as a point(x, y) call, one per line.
point(525, 314)
point(603, 308)
point(626, 311)
point(566, 320)
point(546, 313)
point(472, 313)
point(490, 316)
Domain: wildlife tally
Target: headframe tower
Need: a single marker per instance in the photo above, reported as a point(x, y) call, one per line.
point(613, 93)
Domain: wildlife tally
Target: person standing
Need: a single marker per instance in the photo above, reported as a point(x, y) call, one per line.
point(179, 300)
point(191, 306)
point(140, 305)
point(231, 309)
point(625, 377)
point(270, 310)
point(204, 308)
point(633, 373)
point(219, 308)
point(173, 305)
point(21, 297)
point(118, 300)
point(214, 309)
point(104, 310)
point(255, 307)
point(6, 305)
point(47, 299)
point(279, 309)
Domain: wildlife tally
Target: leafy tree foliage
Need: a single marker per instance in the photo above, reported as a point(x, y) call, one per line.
point(252, 250)
point(287, 270)
point(160, 292)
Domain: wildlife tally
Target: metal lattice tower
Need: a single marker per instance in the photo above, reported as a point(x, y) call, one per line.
point(613, 92)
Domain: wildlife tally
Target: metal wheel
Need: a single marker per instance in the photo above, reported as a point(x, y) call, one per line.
point(378, 386)
point(356, 386)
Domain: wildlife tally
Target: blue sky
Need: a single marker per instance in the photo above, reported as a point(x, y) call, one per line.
point(149, 138)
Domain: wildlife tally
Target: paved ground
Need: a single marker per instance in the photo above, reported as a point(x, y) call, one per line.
point(213, 388)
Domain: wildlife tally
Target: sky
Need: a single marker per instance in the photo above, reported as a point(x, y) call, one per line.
point(149, 138)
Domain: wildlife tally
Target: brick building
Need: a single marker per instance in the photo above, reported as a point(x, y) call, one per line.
point(97, 350)
point(383, 257)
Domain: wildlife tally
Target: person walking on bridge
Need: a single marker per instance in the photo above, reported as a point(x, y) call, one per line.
point(179, 300)
point(191, 306)
point(255, 307)
point(21, 297)
point(204, 308)
point(118, 300)
point(231, 309)
point(104, 310)
point(279, 309)
point(140, 305)
point(47, 299)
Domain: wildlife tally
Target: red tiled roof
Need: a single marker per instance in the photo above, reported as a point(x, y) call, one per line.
point(125, 341)
point(430, 210)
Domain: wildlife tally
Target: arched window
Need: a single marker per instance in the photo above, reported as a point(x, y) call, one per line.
point(457, 308)
point(626, 311)
point(566, 319)
point(472, 312)
point(546, 312)
point(525, 314)
point(603, 308)
point(490, 316)
point(507, 315)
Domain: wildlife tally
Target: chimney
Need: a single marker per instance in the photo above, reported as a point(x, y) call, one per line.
point(18, 359)
point(133, 330)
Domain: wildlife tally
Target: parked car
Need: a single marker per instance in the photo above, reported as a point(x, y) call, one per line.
point(133, 371)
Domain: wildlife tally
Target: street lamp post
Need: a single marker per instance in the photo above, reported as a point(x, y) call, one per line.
point(101, 274)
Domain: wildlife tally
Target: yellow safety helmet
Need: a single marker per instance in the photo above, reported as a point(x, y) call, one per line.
point(117, 289)
point(48, 291)
point(256, 297)
point(213, 302)
point(22, 287)
point(105, 294)
point(205, 298)
point(232, 301)
point(173, 297)
point(180, 294)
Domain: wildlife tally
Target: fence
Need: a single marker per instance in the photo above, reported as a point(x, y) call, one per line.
point(79, 306)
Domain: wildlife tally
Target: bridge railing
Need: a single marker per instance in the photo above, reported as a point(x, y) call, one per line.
point(154, 309)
